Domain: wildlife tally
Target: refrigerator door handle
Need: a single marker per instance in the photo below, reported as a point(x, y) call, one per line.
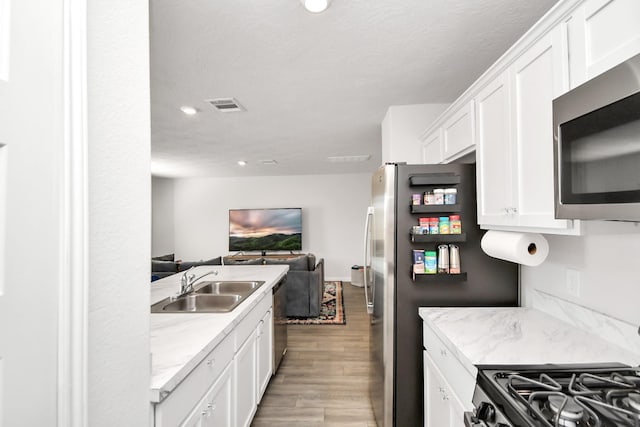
point(367, 259)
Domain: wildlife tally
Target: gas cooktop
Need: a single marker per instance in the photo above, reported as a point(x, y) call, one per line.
point(595, 395)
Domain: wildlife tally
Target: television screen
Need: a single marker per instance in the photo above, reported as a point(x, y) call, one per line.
point(265, 229)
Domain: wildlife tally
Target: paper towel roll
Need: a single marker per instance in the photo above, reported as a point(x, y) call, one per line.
point(522, 248)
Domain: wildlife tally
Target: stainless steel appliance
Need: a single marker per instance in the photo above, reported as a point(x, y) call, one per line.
point(279, 323)
point(599, 395)
point(393, 292)
point(597, 147)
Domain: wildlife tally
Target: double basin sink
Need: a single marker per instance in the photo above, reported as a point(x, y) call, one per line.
point(209, 297)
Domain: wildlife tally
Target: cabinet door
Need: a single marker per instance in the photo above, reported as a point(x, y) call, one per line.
point(493, 156)
point(538, 76)
point(245, 381)
point(215, 408)
point(265, 353)
point(609, 33)
point(458, 136)
point(431, 148)
point(442, 408)
point(219, 408)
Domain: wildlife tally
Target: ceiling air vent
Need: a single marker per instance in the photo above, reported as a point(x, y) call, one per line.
point(349, 159)
point(268, 162)
point(226, 105)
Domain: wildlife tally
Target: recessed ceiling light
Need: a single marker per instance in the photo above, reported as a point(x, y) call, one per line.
point(188, 110)
point(349, 159)
point(242, 163)
point(315, 6)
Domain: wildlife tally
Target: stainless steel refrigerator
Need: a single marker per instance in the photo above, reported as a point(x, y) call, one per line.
point(393, 292)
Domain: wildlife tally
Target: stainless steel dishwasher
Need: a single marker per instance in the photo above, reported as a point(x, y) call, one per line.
point(279, 323)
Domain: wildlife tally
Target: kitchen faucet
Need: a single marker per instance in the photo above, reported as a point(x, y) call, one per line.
point(188, 280)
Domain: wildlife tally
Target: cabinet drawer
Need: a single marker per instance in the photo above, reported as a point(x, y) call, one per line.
point(462, 382)
point(172, 410)
point(249, 323)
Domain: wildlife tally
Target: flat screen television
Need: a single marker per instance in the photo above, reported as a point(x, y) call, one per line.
point(265, 229)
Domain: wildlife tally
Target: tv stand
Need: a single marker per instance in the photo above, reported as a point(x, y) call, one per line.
point(244, 257)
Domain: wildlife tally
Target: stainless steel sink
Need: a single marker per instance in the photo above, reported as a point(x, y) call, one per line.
point(197, 303)
point(209, 297)
point(228, 287)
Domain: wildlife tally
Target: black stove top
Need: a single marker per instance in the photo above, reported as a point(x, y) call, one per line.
point(601, 395)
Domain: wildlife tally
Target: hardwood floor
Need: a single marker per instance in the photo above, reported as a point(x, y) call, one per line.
point(323, 378)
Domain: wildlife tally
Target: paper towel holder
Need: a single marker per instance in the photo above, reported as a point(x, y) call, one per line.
point(532, 249)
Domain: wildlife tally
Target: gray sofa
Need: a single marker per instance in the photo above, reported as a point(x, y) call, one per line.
point(305, 282)
point(165, 265)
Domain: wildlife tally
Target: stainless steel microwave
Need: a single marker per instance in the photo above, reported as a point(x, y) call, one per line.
point(597, 147)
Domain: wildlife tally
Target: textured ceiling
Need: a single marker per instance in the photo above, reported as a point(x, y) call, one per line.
point(314, 85)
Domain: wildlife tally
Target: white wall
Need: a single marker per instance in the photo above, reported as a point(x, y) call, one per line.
point(31, 244)
point(608, 259)
point(333, 206)
point(401, 129)
point(119, 212)
point(162, 219)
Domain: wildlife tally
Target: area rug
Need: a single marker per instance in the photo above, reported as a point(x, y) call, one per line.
point(331, 310)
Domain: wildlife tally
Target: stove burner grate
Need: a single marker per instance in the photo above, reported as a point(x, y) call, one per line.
point(578, 399)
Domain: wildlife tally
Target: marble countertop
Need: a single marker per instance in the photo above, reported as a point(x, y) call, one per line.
point(180, 341)
point(495, 335)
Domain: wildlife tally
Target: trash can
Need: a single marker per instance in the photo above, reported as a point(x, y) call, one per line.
point(357, 276)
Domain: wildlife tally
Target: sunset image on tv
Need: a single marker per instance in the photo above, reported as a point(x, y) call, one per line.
point(265, 229)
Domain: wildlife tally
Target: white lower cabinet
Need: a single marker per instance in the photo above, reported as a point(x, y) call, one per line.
point(225, 388)
point(448, 386)
point(442, 407)
point(264, 340)
point(216, 409)
point(246, 381)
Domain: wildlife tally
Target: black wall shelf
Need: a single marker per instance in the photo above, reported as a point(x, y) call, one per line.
point(435, 208)
point(438, 238)
point(439, 278)
point(434, 179)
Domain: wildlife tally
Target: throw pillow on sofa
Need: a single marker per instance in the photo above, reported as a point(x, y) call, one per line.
point(164, 266)
point(187, 265)
point(168, 257)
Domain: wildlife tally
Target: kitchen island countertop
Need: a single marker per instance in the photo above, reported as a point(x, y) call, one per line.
point(517, 335)
point(180, 341)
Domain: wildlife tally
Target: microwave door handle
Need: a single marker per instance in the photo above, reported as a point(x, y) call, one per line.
point(367, 259)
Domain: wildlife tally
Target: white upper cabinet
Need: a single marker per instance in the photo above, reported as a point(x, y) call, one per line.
point(537, 77)
point(494, 155)
point(601, 34)
point(507, 114)
point(458, 133)
point(515, 139)
point(432, 148)
point(451, 136)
